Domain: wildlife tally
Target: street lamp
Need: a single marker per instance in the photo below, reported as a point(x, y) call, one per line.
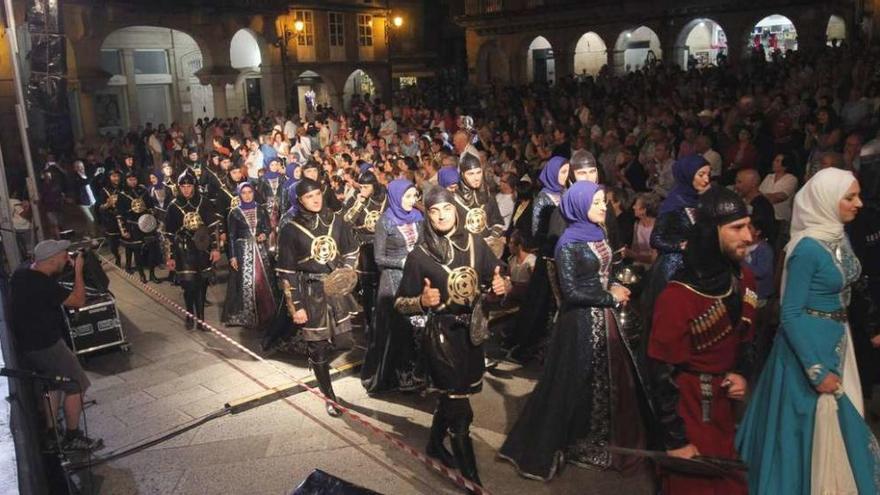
point(398, 21)
point(282, 42)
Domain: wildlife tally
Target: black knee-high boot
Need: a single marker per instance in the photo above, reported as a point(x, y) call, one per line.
point(190, 302)
point(129, 254)
point(114, 249)
point(435, 447)
point(320, 364)
point(460, 417)
point(201, 289)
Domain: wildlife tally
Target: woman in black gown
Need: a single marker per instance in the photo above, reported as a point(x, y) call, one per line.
point(442, 278)
point(533, 317)
point(250, 294)
point(390, 361)
point(675, 222)
point(588, 395)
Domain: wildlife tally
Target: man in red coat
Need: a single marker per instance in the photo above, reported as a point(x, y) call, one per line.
point(700, 341)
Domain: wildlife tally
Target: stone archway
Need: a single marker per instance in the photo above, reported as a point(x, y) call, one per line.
point(153, 79)
point(540, 64)
point(636, 48)
point(246, 56)
point(835, 32)
point(704, 40)
point(492, 64)
point(359, 87)
point(590, 55)
point(774, 33)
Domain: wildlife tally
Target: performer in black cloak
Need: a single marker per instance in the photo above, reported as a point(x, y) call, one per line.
point(864, 236)
point(362, 211)
point(312, 244)
point(139, 245)
point(532, 320)
point(477, 208)
point(391, 361)
point(108, 200)
point(443, 277)
point(209, 180)
point(521, 221)
point(193, 230)
point(588, 395)
point(250, 296)
point(314, 171)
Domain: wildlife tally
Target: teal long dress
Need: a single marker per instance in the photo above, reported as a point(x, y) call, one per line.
point(775, 438)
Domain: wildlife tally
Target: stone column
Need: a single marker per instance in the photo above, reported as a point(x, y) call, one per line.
point(134, 116)
point(218, 77)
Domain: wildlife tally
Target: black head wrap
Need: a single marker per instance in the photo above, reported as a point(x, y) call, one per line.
point(465, 163)
point(580, 160)
point(441, 246)
point(869, 174)
point(706, 267)
point(187, 177)
point(306, 185)
point(371, 179)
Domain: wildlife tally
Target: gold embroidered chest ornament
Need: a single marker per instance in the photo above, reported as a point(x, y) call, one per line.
point(475, 221)
point(192, 221)
point(462, 285)
point(370, 220)
point(138, 206)
point(323, 249)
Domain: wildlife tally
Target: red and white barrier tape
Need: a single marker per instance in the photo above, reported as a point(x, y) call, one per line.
point(452, 474)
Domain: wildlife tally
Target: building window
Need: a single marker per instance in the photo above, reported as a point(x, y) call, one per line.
point(408, 81)
point(494, 6)
point(365, 30)
point(307, 36)
point(337, 29)
point(110, 62)
point(150, 62)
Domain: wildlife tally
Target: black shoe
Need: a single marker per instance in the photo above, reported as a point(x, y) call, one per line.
point(76, 441)
point(463, 449)
point(435, 448)
point(154, 279)
point(118, 261)
point(143, 279)
point(208, 303)
point(322, 375)
point(189, 323)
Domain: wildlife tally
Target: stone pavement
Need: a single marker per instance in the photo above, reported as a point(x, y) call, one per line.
point(172, 376)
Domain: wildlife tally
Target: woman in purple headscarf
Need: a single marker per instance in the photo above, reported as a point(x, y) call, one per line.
point(587, 397)
point(448, 178)
point(390, 362)
point(674, 224)
point(250, 290)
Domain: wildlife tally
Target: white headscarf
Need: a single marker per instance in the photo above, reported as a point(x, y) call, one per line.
point(816, 211)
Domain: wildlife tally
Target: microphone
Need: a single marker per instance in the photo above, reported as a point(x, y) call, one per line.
point(33, 375)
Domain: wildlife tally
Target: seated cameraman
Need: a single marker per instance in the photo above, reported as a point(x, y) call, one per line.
point(37, 320)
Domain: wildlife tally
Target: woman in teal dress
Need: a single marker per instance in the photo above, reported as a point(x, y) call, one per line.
point(804, 430)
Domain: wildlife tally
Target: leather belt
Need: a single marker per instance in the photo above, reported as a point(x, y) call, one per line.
point(836, 315)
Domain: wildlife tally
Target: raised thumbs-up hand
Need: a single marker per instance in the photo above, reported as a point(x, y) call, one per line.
point(430, 296)
point(500, 285)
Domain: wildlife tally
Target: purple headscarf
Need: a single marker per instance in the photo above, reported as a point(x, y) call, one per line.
point(447, 176)
point(269, 155)
point(683, 195)
point(290, 169)
point(160, 184)
point(365, 167)
point(242, 204)
point(395, 212)
point(575, 205)
point(550, 175)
